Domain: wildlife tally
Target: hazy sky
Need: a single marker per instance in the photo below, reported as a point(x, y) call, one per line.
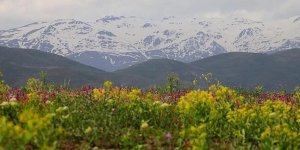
point(15, 13)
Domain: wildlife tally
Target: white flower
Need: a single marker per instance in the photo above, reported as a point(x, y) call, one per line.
point(66, 116)
point(164, 105)
point(65, 108)
point(49, 102)
point(4, 104)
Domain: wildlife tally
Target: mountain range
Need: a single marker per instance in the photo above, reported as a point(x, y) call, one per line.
point(117, 42)
point(18, 65)
point(274, 71)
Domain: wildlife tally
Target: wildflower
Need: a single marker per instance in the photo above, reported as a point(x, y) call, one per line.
point(4, 104)
point(65, 108)
point(13, 103)
point(134, 94)
point(33, 96)
point(60, 130)
point(266, 133)
point(61, 109)
point(88, 130)
point(95, 148)
point(144, 124)
point(49, 102)
point(298, 116)
point(51, 115)
point(13, 99)
point(110, 101)
point(157, 103)
point(66, 116)
point(164, 105)
point(107, 84)
point(17, 128)
point(193, 98)
point(195, 82)
point(195, 137)
point(168, 136)
point(10, 96)
point(98, 94)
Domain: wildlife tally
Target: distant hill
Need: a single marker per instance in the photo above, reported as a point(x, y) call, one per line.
point(237, 69)
point(18, 65)
point(157, 70)
point(273, 71)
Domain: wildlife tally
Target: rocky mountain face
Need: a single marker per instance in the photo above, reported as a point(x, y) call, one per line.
point(113, 43)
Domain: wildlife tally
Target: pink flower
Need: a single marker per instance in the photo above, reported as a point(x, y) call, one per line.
point(168, 136)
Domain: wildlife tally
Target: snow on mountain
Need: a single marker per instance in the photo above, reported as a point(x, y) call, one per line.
point(112, 43)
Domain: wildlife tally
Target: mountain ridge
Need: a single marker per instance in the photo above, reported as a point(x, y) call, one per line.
point(236, 69)
point(112, 43)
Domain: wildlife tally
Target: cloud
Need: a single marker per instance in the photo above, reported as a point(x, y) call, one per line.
point(19, 12)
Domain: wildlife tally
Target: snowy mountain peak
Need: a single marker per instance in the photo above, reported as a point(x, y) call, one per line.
point(115, 42)
point(108, 19)
point(297, 20)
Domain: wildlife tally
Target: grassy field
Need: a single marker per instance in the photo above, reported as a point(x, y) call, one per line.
point(41, 116)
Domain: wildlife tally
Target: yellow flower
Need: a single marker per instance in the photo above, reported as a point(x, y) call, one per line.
point(144, 124)
point(197, 136)
point(98, 94)
point(157, 103)
point(193, 98)
point(18, 129)
point(134, 94)
point(298, 115)
point(33, 96)
point(266, 133)
point(88, 130)
point(231, 117)
point(107, 84)
point(13, 103)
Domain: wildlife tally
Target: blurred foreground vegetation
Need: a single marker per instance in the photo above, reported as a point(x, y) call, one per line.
point(43, 116)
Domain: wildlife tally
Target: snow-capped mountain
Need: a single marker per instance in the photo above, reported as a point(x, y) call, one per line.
point(112, 43)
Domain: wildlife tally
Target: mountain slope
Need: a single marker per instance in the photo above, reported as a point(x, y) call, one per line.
point(236, 69)
point(275, 71)
point(18, 65)
point(158, 69)
point(113, 43)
